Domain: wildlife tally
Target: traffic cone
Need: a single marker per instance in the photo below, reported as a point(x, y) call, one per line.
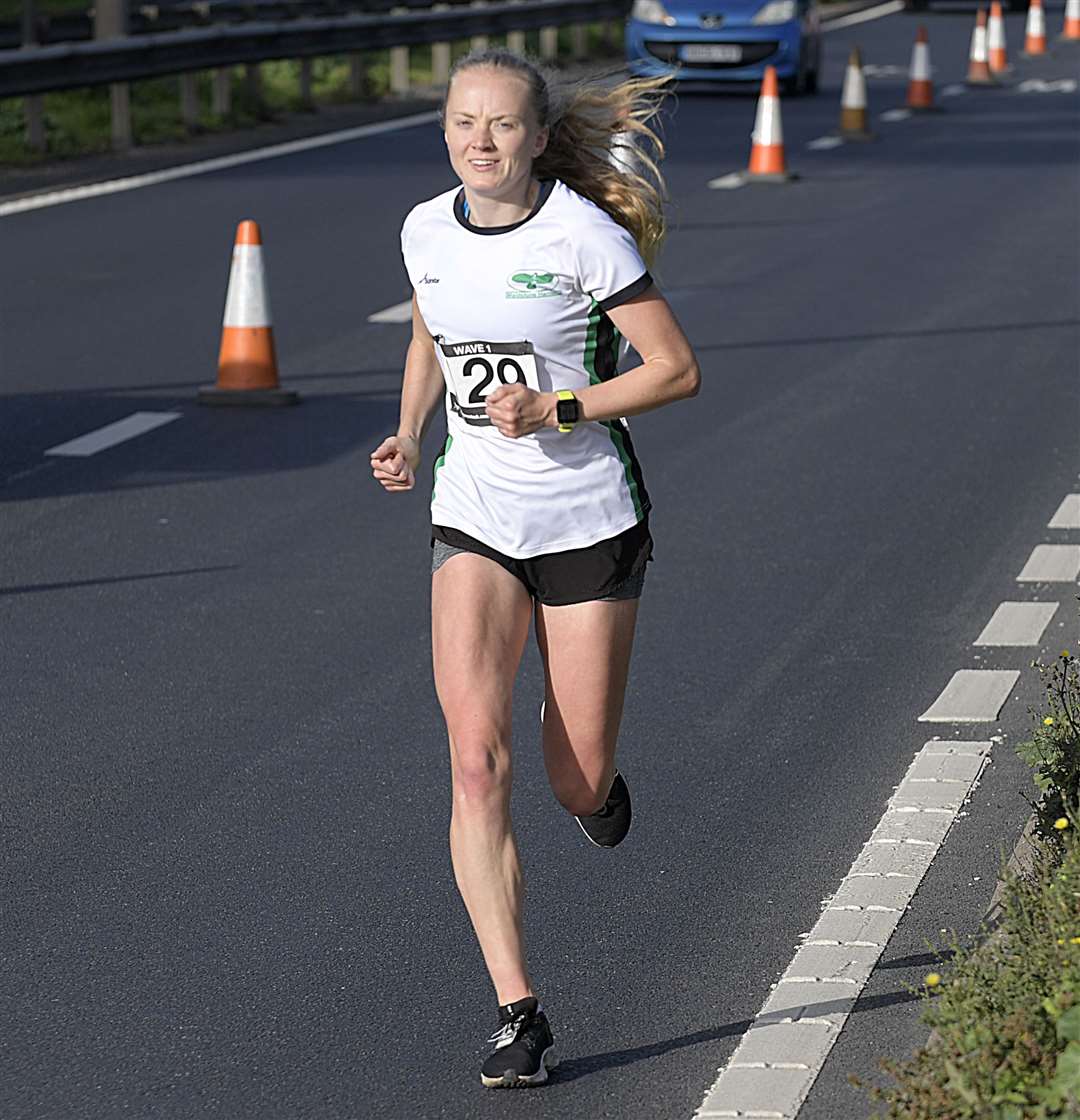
point(247, 365)
point(1035, 32)
point(1071, 30)
point(920, 91)
point(854, 123)
point(767, 163)
point(978, 60)
point(996, 54)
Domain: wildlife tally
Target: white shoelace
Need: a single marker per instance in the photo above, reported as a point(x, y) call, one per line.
point(508, 1032)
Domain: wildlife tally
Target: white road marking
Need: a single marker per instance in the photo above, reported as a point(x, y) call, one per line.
point(888, 70)
point(1038, 85)
point(953, 91)
point(203, 167)
point(1068, 513)
point(824, 143)
point(972, 696)
point(1017, 624)
point(896, 114)
point(112, 434)
point(1052, 563)
point(864, 16)
point(778, 1059)
point(728, 182)
point(398, 313)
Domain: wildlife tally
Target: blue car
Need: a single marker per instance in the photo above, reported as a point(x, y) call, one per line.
point(726, 40)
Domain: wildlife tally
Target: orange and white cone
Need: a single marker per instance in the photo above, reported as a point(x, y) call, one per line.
point(1071, 30)
point(247, 364)
point(996, 53)
point(767, 163)
point(978, 59)
point(854, 120)
point(920, 92)
point(1035, 32)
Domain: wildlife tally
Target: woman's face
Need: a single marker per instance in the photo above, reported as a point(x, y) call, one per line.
point(491, 132)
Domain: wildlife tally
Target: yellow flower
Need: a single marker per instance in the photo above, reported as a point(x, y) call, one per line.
point(1049, 720)
point(1061, 823)
point(1074, 940)
point(933, 979)
point(1061, 940)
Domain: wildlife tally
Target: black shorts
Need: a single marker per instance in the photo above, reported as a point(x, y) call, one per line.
point(611, 569)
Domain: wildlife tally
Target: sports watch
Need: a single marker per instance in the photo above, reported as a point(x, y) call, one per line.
point(567, 410)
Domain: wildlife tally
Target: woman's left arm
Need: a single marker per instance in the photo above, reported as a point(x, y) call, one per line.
point(668, 372)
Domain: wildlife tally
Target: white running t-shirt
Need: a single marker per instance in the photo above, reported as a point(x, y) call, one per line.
point(527, 303)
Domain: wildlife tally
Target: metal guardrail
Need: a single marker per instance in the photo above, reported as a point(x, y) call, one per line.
point(155, 16)
point(130, 58)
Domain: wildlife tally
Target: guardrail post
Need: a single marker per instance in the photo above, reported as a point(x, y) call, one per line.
point(307, 101)
point(189, 102)
point(34, 105)
point(110, 22)
point(515, 40)
point(253, 80)
point(549, 42)
point(221, 99)
point(356, 76)
point(479, 42)
point(579, 41)
point(399, 63)
point(440, 57)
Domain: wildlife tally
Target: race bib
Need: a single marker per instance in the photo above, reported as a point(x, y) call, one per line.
point(473, 370)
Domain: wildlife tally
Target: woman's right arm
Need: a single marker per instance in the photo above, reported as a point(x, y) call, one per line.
point(395, 461)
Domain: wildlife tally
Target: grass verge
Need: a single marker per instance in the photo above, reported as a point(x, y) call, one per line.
point(1006, 1014)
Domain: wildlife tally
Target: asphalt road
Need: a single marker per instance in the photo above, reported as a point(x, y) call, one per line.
point(224, 797)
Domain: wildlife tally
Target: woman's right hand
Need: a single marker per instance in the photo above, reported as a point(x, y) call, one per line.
point(395, 461)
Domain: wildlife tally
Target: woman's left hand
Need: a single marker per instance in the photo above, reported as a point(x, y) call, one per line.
point(519, 411)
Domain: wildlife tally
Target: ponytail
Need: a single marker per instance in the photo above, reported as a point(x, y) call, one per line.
point(601, 143)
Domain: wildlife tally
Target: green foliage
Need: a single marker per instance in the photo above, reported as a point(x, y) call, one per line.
point(1053, 750)
point(1006, 1017)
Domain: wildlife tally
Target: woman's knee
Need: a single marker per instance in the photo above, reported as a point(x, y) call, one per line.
point(481, 769)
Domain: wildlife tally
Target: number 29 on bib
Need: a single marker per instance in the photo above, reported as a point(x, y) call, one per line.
point(473, 370)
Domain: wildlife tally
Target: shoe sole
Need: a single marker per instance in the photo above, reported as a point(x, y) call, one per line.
point(511, 1080)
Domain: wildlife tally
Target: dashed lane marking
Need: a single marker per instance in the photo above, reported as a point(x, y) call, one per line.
point(896, 114)
point(824, 143)
point(728, 182)
point(972, 696)
point(1017, 624)
point(203, 167)
point(112, 434)
point(1054, 85)
point(1068, 513)
point(863, 17)
point(878, 70)
point(953, 91)
point(1051, 563)
point(778, 1059)
point(398, 313)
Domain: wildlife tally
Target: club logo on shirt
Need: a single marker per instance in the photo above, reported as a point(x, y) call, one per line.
point(530, 283)
point(425, 279)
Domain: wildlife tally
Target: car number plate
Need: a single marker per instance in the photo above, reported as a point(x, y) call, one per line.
point(711, 52)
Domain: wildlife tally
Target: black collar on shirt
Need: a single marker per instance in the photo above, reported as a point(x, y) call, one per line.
point(546, 187)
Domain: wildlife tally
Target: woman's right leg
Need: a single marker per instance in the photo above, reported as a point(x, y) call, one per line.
point(479, 623)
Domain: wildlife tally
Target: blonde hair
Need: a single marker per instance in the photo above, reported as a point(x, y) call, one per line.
point(600, 142)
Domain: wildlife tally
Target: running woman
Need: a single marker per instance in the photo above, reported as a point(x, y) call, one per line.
point(524, 278)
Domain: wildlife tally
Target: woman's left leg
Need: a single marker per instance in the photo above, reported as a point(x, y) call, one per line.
point(586, 652)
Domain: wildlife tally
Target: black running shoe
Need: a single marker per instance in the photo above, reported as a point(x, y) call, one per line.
point(524, 1047)
point(608, 826)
